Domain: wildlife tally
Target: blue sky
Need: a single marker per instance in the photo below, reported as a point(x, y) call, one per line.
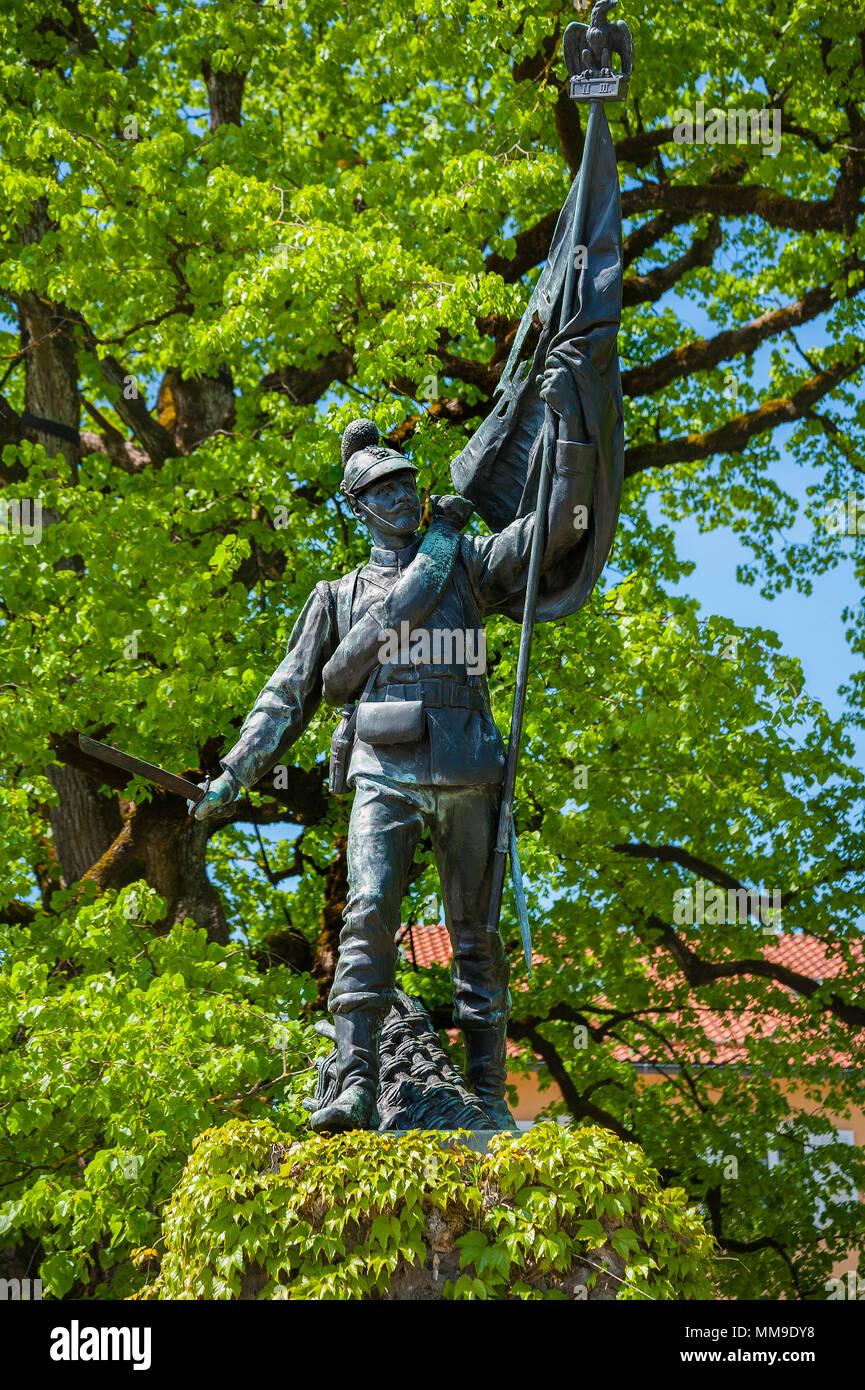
point(809, 626)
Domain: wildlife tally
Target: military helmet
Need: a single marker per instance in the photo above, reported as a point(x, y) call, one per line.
point(364, 459)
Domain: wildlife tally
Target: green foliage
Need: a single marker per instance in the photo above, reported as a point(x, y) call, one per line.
point(345, 249)
point(344, 1217)
point(117, 1048)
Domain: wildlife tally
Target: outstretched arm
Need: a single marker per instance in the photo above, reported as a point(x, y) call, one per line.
point(283, 708)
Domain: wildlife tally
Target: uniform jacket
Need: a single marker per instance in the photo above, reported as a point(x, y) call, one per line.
point(461, 745)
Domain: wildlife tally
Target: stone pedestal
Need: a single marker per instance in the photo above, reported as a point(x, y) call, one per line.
point(549, 1214)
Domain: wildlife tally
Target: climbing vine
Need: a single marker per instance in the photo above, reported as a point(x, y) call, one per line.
point(550, 1214)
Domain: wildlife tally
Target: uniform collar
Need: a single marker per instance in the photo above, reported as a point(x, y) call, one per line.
point(394, 559)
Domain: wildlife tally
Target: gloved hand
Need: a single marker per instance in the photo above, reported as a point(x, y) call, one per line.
point(220, 794)
point(557, 387)
point(453, 510)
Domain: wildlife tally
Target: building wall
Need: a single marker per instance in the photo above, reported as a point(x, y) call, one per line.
point(531, 1099)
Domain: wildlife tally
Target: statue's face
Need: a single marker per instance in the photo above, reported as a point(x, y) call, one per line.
point(395, 502)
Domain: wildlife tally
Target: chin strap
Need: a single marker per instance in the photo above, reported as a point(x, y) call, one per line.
point(369, 511)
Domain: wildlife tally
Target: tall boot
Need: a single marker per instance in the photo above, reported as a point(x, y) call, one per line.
point(486, 1072)
point(358, 1035)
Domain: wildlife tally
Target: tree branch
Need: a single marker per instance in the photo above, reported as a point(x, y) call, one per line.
point(732, 437)
point(224, 94)
point(673, 854)
point(705, 353)
point(746, 1247)
point(155, 440)
point(18, 913)
point(699, 972)
point(838, 213)
point(304, 385)
point(647, 289)
point(580, 1107)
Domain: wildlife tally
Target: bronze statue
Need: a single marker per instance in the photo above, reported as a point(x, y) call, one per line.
point(417, 741)
point(426, 751)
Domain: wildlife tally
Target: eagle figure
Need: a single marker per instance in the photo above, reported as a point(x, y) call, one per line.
point(589, 48)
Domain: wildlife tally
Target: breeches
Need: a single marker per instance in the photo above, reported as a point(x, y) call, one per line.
point(387, 821)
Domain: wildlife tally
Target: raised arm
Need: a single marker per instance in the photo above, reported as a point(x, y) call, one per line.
point(501, 561)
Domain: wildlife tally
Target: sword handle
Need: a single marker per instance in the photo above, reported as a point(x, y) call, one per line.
point(203, 795)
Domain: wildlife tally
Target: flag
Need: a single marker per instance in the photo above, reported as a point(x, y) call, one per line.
point(499, 468)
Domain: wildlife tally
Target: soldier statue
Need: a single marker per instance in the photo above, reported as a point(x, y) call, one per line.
point(436, 763)
point(417, 742)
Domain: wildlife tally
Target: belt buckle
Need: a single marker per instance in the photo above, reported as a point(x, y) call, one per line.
point(436, 695)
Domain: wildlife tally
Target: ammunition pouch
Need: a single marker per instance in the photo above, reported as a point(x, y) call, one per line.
point(391, 721)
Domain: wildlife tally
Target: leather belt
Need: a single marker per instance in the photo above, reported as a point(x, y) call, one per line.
point(436, 692)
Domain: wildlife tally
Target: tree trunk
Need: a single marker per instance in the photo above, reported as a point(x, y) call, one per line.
point(196, 896)
point(83, 823)
point(335, 895)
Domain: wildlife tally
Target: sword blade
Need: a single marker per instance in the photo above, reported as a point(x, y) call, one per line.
point(520, 896)
point(168, 780)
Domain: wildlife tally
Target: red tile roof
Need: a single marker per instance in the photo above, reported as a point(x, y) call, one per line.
point(725, 1034)
point(425, 945)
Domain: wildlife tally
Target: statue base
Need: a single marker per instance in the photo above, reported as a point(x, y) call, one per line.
point(419, 1086)
point(476, 1140)
point(550, 1214)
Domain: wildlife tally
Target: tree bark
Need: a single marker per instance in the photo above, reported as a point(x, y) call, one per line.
point(196, 896)
point(335, 895)
point(83, 823)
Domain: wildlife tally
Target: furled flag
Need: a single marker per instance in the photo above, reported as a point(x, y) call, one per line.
point(499, 467)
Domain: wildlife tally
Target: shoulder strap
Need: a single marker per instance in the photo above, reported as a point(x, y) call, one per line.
point(345, 592)
point(412, 599)
point(350, 712)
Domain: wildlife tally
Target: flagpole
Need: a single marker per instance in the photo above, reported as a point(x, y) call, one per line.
point(506, 838)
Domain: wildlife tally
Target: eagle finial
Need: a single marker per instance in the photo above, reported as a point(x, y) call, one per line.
point(589, 48)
